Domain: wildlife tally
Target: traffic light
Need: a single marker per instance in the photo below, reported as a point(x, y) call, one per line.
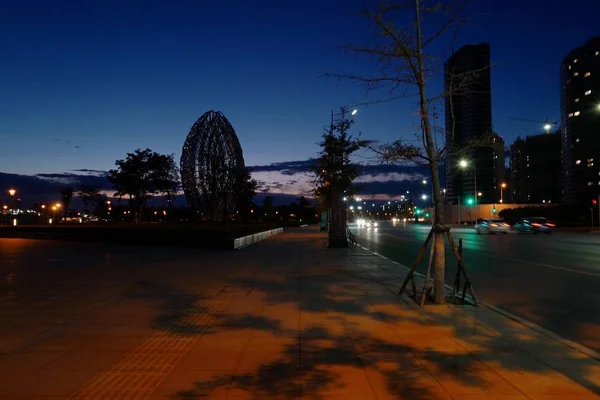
point(417, 211)
point(469, 201)
point(494, 210)
point(426, 215)
point(594, 201)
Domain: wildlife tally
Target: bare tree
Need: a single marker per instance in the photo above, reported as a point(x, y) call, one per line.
point(402, 53)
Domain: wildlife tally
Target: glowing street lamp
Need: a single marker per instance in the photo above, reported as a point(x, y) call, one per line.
point(12, 192)
point(502, 187)
point(354, 111)
point(465, 164)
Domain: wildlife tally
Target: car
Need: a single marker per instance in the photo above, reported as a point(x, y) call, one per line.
point(372, 224)
point(366, 223)
point(534, 225)
point(492, 226)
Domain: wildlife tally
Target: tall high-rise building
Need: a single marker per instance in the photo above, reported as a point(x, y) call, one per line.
point(535, 172)
point(468, 115)
point(580, 123)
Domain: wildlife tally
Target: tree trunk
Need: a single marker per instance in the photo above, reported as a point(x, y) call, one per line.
point(438, 225)
point(337, 224)
point(439, 263)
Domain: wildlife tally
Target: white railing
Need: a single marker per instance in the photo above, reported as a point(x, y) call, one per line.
point(244, 241)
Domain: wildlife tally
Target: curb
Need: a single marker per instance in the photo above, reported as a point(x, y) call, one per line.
point(245, 241)
point(528, 324)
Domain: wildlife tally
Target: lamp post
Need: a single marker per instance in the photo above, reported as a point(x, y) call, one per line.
point(465, 164)
point(12, 192)
point(502, 187)
point(57, 208)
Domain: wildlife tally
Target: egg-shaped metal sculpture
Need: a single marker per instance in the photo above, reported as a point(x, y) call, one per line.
point(211, 160)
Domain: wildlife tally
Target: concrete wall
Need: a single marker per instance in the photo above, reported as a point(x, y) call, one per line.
point(453, 214)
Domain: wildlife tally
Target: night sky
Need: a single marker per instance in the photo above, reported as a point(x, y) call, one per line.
point(84, 82)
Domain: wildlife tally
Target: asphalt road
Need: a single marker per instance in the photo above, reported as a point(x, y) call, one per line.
point(551, 280)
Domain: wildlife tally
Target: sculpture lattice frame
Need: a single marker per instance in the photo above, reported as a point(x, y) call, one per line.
point(210, 163)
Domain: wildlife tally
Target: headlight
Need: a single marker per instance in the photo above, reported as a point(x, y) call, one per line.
point(374, 223)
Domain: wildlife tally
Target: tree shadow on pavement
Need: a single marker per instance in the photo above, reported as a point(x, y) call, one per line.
point(331, 326)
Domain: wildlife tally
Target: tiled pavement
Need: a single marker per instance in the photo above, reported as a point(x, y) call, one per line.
point(282, 319)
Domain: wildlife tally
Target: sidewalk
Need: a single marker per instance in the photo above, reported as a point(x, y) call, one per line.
point(283, 319)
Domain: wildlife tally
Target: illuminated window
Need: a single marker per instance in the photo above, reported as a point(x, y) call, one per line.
point(598, 52)
point(577, 140)
point(590, 183)
point(576, 113)
point(578, 162)
point(577, 100)
point(576, 74)
point(575, 60)
point(588, 92)
point(587, 74)
point(569, 67)
point(590, 159)
point(570, 115)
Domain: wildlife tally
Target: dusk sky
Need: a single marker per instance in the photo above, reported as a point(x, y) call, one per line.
point(84, 82)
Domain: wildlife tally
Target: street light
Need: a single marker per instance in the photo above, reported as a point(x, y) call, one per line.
point(354, 111)
point(12, 192)
point(465, 164)
point(502, 187)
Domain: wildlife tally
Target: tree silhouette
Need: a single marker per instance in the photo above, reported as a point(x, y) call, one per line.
point(141, 175)
point(245, 191)
point(66, 195)
point(335, 173)
point(268, 206)
point(334, 170)
point(89, 194)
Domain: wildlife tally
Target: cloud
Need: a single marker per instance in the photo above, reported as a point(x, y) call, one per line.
point(88, 177)
point(90, 171)
point(285, 181)
point(390, 177)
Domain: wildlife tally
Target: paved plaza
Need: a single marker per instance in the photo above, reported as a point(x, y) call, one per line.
point(282, 319)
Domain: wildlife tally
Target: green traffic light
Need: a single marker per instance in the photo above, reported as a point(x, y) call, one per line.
point(469, 201)
point(426, 215)
point(494, 210)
